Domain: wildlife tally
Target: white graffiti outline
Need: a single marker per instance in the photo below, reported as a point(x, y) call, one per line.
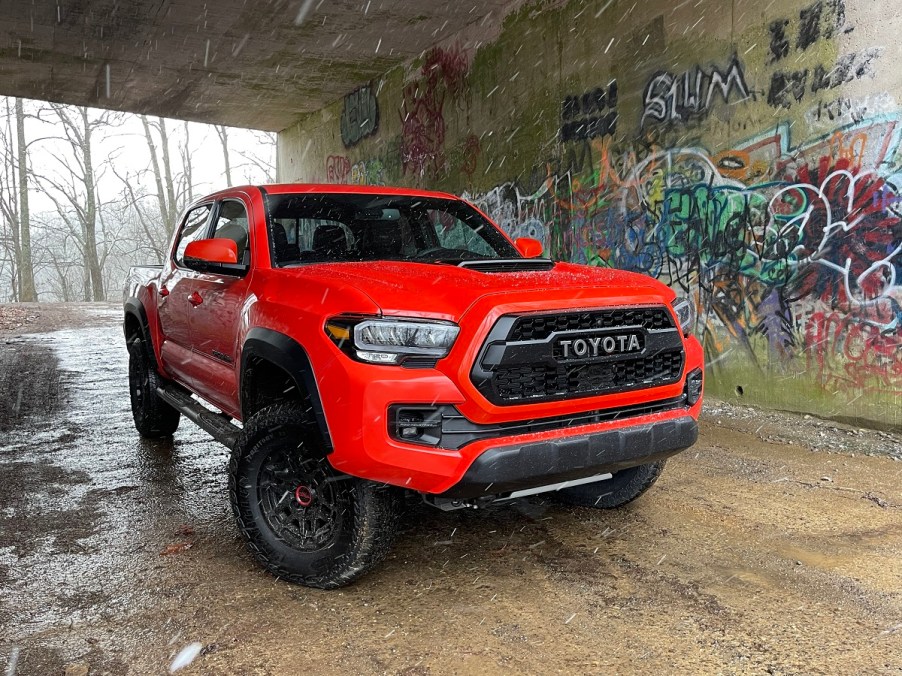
point(844, 226)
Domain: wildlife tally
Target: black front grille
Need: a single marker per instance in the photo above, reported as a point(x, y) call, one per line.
point(543, 382)
point(535, 327)
point(522, 359)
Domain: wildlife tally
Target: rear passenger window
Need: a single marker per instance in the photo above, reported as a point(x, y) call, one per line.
point(194, 228)
point(231, 223)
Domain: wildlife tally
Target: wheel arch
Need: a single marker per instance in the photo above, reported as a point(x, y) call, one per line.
point(135, 317)
point(264, 350)
point(135, 325)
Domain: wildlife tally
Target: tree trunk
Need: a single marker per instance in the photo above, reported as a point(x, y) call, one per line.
point(90, 222)
point(27, 291)
point(86, 284)
point(186, 161)
point(16, 276)
point(224, 140)
point(167, 172)
point(157, 176)
point(9, 204)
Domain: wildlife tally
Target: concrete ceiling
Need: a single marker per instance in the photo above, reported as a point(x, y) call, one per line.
point(245, 63)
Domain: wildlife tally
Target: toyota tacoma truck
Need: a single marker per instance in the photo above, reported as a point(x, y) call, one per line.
point(354, 346)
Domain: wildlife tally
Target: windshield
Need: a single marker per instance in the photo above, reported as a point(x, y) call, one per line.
point(317, 228)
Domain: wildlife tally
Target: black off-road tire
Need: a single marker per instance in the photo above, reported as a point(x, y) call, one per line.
point(625, 486)
point(154, 418)
point(328, 532)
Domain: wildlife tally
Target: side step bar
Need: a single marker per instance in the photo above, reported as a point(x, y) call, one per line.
point(217, 425)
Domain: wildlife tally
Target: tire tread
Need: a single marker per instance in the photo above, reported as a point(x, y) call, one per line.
point(376, 508)
point(154, 418)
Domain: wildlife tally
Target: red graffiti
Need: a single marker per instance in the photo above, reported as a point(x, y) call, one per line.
point(422, 111)
point(860, 351)
point(844, 234)
point(338, 169)
point(472, 149)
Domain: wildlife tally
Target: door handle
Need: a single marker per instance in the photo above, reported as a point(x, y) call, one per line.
point(195, 299)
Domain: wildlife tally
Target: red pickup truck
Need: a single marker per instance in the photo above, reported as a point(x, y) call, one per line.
point(353, 345)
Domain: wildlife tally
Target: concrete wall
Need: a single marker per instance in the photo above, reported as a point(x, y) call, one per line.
point(745, 153)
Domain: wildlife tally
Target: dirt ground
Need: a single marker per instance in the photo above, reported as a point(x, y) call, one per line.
point(773, 546)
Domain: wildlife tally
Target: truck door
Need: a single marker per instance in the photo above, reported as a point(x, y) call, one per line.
point(216, 316)
point(177, 284)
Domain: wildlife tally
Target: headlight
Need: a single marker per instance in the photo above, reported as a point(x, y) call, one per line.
point(392, 341)
point(685, 312)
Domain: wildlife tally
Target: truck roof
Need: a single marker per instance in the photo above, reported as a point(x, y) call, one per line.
point(283, 188)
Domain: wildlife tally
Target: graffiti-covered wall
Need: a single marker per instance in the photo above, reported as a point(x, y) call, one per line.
point(745, 153)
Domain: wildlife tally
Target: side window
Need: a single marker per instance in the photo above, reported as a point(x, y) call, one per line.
point(194, 228)
point(311, 239)
point(231, 223)
point(454, 234)
point(289, 227)
point(320, 235)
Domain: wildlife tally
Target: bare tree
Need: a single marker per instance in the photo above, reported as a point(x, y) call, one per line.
point(185, 152)
point(150, 226)
point(82, 247)
point(65, 264)
point(262, 160)
point(9, 204)
point(150, 230)
point(223, 134)
point(167, 193)
point(76, 186)
point(16, 232)
point(26, 265)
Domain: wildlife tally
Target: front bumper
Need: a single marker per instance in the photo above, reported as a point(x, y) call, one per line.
point(529, 465)
point(360, 397)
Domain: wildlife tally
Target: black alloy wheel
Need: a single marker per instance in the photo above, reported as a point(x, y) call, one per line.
point(300, 499)
point(301, 519)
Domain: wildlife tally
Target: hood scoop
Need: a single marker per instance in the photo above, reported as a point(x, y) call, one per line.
point(509, 265)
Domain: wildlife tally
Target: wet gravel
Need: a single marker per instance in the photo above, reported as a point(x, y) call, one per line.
point(753, 554)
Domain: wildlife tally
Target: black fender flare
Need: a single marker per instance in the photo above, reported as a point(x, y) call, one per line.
point(135, 308)
point(286, 353)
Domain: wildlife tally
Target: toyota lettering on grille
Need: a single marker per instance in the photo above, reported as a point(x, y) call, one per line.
point(599, 346)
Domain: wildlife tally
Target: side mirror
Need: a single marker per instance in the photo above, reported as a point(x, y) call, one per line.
point(528, 247)
point(218, 255)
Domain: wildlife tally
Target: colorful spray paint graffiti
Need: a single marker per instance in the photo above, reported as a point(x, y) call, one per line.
point(782, 222)
point(793, 255)
point(370, 171)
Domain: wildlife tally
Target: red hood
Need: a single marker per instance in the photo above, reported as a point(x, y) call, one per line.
point(447, 291)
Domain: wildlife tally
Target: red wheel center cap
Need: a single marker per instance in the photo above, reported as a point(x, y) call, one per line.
point(304, 496)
